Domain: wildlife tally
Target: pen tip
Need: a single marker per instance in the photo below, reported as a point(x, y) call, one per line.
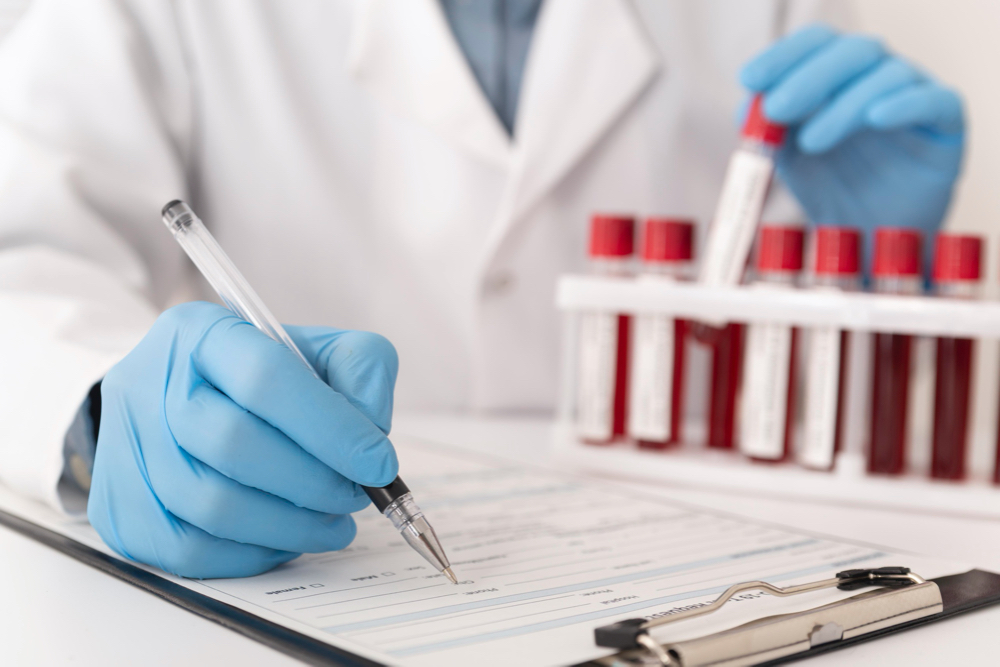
point(451, 575)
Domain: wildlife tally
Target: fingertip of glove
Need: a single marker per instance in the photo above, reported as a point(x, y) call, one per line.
point(886, 115)
point(878, 117)
point(763, 71)
point(779, 107)
point(341, 531)
point(373, 462)
point(754, 76)
point(279, 558)
point(384, 468)
point(358, 501)
point(814, 142)
point(389, 471)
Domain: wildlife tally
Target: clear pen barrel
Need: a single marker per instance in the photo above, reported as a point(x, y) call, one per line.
point(236, 293)
point(222, 274)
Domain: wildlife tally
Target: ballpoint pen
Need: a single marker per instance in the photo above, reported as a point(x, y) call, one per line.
point(394, 501)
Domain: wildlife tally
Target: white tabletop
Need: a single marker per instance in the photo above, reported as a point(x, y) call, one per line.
point(59, 611)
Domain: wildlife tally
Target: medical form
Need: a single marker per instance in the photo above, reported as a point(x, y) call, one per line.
point(543, 558)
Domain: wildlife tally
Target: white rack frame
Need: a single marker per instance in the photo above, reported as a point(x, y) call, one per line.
point(855, 311)
point(698, 466)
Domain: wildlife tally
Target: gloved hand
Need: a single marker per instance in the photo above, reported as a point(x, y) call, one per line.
point(873, 140)
point(221, 455)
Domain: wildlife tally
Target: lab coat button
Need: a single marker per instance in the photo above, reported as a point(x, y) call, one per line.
point(498, 283)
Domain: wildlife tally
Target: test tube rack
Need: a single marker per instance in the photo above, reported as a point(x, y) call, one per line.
point(694, 465)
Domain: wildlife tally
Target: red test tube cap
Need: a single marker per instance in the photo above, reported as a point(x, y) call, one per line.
point(780, 248)
point(957, 257)
point(758, 127)
point(612, 235)
point(668, 240)
point(897, 252)
point(838, 251)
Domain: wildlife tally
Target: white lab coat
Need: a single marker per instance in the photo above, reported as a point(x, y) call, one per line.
point(345, 157)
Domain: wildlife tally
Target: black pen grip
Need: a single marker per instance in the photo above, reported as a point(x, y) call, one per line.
point(383, 496)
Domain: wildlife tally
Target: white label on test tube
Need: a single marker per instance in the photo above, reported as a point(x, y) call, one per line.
point(651, 393)
point(596, 378)
point(920, 405)
point(765, 390)
point(821, 394)
point(736, 218)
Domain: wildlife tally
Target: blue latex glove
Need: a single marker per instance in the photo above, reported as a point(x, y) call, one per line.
point(221, 455)
point(873, 140)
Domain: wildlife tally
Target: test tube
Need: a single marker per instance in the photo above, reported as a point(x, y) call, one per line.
point(957, 261)
point(837, 266)
point(768, 405)
point(737, 215)
point(744, 192)
point(602, 383)
point(656, 397)
point(896, 270)
point(727, 365)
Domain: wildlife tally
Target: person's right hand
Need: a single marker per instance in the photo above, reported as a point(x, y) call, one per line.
point(220, 455)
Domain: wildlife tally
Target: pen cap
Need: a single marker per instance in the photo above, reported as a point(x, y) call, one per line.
point(176, 215)
point(897, 252)
point(779, 249)
point(957, 258)
point(668, 240)
point(838, 251)
point(612, 236)
point(758, 128)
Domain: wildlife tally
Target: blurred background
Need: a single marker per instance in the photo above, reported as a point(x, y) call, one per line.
point(957, 42)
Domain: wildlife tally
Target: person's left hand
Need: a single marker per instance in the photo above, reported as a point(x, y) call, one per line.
point(873, 141)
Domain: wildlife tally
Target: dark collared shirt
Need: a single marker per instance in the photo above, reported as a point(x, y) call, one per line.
point(494, 36)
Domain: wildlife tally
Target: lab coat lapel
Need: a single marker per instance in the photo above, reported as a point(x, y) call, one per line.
point(589, 61)
point(404, 54)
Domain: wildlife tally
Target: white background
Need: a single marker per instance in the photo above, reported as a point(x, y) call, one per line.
point(955, 40)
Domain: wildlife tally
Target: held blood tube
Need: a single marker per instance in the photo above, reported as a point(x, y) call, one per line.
point(604, 338)
point(744, 191)
point(896, 270)
point(837, 267)
point(768, 405)
point(656, 396)
point(957, 261)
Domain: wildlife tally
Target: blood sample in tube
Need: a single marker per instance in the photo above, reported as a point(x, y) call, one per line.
point(602, 377)
point(726, 369)
point(896, 270)
point(656, 396)
point(957, 271)
point(768, 403)
point(837, 267)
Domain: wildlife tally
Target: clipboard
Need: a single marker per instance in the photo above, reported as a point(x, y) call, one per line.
point(900, 600)
point(309, 650)
point(913, 606)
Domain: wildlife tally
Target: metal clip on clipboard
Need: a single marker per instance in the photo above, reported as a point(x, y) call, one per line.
point(902, 597)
